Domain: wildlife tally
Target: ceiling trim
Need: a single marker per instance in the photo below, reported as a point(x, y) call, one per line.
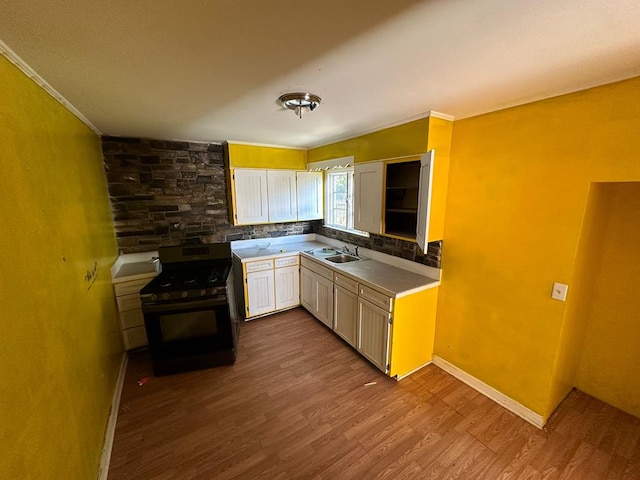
point(441, 116)
point(430, 113)
point(33, 75)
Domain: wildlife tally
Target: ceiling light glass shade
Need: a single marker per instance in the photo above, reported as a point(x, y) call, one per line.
point(300, 102)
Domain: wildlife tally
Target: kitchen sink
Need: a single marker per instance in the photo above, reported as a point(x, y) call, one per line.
point(342, 258)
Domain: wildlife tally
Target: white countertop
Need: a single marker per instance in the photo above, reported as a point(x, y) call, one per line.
point(134, 266)
point(278, 250)
point(394, 281)
point(391, 280)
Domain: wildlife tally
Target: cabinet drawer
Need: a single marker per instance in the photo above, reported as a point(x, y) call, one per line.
point(321, 270)
point(131, 318)
point(259, 266)
point(287, 261)
point(345, 282)
point(377, 298)
point(129, 302)
point(127, 288)
point(134, 338)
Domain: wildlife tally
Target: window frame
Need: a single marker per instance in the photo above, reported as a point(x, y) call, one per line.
point(329, 207)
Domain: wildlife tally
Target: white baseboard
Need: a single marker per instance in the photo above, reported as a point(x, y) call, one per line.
point(113, 418)
point(398, 378)
point(500, 398)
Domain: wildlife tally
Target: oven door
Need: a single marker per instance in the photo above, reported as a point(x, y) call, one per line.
point(189, 328)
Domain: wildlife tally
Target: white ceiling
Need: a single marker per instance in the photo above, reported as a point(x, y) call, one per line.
point(212, 70)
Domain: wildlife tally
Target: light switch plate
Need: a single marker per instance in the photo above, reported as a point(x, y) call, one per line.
point(559, 291)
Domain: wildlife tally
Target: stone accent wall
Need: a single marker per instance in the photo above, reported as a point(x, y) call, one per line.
point(391, 246)
point(171, 193)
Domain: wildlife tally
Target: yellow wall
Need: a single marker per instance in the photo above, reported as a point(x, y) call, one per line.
point(253, 156)
point(518, 187)
point(608, 367)
point(406, 139)
point(410, 138)
point(59, 349)
point(578, 303)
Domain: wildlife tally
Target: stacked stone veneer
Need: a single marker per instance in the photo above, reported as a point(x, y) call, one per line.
point(391, 246)
point(171, 193)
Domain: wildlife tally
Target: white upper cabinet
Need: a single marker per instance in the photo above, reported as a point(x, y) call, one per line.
point(250, 196)
point(309, 193)
point(424, 200)
point(269, 196)
point(281, 194)
point(367, 197)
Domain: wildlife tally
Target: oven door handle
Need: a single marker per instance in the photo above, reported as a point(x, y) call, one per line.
point(167, 307)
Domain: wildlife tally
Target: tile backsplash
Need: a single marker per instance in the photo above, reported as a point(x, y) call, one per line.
point(391, 246)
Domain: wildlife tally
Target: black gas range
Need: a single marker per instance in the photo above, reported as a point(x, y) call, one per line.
point(189, 309)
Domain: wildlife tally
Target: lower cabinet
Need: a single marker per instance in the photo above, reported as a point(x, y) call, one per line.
point(394, 333)
point(260, 293)
point(345, 300)
point(287, 287)
point(324, 303)
point(373, 333)
point(317, 293)
point(130, 314)
point(271, 284)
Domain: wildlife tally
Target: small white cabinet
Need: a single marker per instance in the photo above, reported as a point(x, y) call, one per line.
point(271, 285)
point(282, 196)
point(309, 195)
point(367, 197)
point(250, 196)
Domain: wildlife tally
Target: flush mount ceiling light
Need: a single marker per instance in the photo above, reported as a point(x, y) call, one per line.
point(300, 102)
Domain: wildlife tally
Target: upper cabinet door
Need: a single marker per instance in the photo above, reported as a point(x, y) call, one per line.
point(250, 196)
point(367, 197)
point(424, 199)
point(281, 188)
point(309, 188)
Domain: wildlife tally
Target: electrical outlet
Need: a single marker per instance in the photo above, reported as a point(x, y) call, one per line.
point(559, 291)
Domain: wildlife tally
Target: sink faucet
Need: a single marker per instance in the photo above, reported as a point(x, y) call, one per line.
point(346, 250)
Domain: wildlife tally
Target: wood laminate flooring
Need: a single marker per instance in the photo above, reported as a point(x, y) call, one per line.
point(295, 406)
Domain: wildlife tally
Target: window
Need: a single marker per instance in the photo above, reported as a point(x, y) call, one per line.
point(339, 200)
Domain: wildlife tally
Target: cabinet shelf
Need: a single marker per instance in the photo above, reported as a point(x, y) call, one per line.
point(413, 211)
point(402, 233)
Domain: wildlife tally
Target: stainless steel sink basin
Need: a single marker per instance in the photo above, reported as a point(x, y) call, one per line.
point(342, 258)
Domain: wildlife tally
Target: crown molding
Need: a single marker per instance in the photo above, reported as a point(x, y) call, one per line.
point(33, 75)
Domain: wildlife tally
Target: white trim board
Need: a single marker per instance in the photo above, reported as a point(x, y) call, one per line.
point(33, 75)
point(113, 418)
point(500, 398)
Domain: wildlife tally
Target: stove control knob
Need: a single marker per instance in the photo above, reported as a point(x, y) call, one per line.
point(165, 296)
point(203, 292)
point(153, 297)
point(185, 294)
